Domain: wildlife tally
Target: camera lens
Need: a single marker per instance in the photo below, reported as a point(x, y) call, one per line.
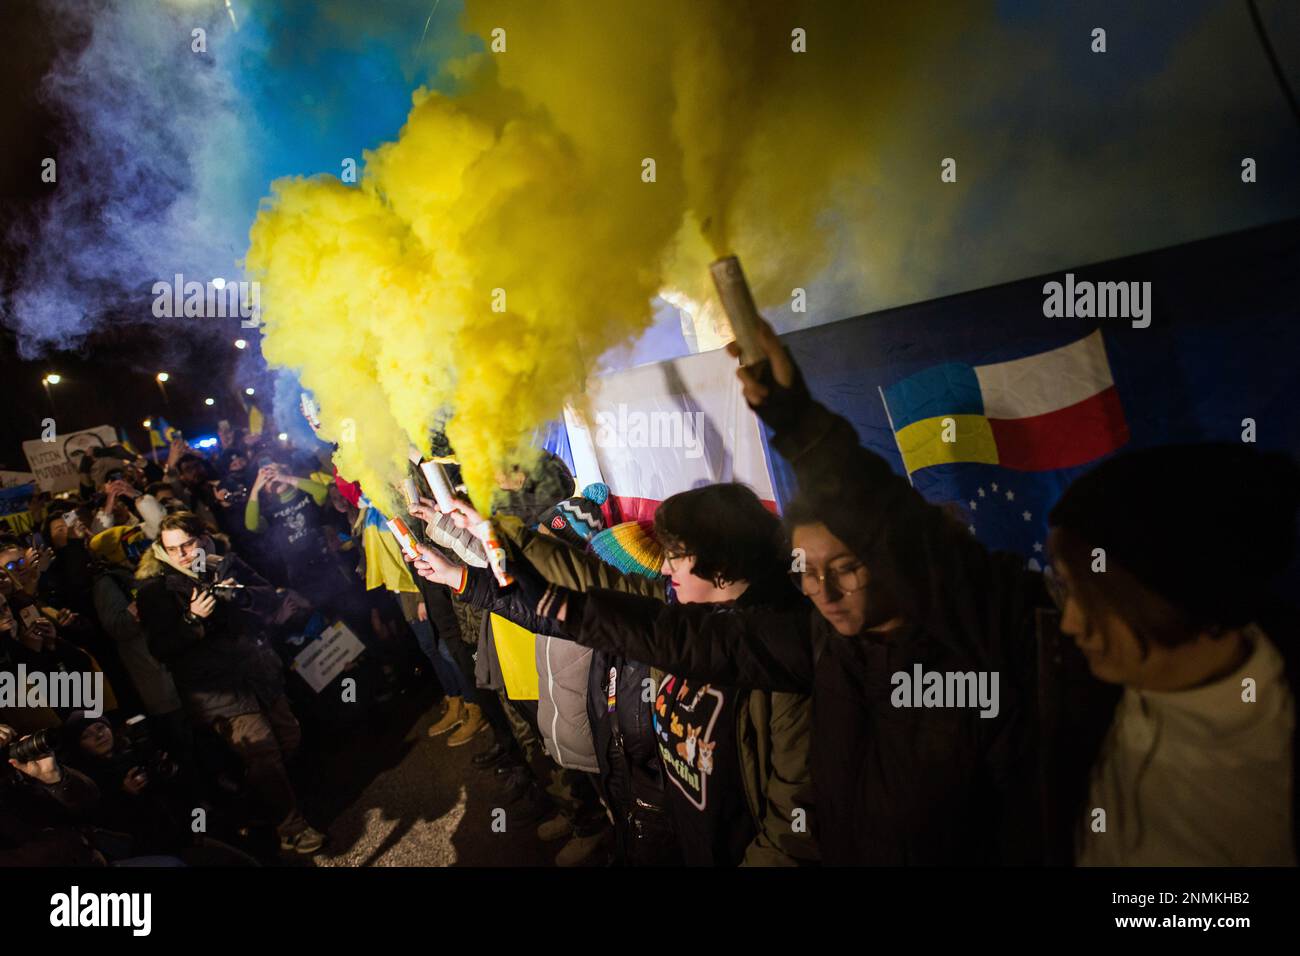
point(38, 745)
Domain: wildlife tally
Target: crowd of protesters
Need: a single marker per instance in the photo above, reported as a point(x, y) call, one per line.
point(184, 586)
point(716, 687)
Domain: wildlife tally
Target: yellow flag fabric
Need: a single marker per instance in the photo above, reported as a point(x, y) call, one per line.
point(515, 651)
point(384, 565)
point(946, 439)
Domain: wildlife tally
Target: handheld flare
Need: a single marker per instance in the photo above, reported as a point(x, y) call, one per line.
point(733, 290)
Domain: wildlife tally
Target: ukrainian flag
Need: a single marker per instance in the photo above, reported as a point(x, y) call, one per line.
point(385, 567)
point(938, 418)
point(160, 433)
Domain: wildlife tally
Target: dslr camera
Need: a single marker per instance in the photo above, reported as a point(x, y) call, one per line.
point(141, 751)
point(32, 747)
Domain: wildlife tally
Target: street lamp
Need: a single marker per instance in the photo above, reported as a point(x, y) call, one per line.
point(53, 378)
point(209, 401)
point(161, 378)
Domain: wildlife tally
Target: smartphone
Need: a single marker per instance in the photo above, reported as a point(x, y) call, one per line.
point(31, 617)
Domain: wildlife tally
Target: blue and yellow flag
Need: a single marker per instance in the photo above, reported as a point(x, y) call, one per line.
point(161, 433)
point(384, 565)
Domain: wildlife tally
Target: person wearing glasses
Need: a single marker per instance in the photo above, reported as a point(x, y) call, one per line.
point(204, 613)
point(723, 548)
point(20, 567)
point(734, 757)
point(898, 589)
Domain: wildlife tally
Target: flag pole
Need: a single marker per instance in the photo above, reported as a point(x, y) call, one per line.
point(893, 432)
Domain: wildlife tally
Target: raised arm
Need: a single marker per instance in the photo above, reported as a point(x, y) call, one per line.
point(942, 578)
point(761, 648)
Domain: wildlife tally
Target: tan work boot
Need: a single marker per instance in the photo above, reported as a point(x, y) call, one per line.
point(452, 719)
point(554, 828)
point(471, 724)
point(579, 849)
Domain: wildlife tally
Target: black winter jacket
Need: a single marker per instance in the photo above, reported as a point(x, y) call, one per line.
point(221, 667)
point(893, 785)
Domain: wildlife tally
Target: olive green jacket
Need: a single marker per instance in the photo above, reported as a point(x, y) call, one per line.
point(772, 729)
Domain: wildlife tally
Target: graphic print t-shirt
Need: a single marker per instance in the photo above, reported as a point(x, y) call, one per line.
point(296, 529)
point(695, 730)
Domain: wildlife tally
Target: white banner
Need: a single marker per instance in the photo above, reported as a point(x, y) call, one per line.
point(652, 431)
point(55, 462)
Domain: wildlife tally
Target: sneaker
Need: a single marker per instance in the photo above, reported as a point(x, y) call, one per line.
point(472, 724)
point(490, 757)
point(554, 828)
point(579, 849)
point(452, 718)
point(306, 841)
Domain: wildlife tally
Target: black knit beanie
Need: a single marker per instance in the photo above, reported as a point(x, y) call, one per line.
point(1207, 527)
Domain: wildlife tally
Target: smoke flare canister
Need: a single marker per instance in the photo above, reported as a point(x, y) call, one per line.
point(733, 290)
point(496, 554)
point(436, 476)
point(410, 492)
point(404, 537)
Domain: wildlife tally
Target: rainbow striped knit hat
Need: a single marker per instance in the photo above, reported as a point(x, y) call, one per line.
point(631, 547)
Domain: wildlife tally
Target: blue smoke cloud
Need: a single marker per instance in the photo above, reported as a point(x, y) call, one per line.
point(168, 150)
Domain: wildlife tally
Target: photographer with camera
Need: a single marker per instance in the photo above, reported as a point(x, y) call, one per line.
point(43, 806)
point(116, 554)
point(54, 814)
point(131, 774)
point(119, 503)
point(66, 582)
point(50, 813)
point(138, 789)
point(204, 614)
point(33, 840)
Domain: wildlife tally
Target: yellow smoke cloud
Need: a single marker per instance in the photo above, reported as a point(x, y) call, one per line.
point(508, 236)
